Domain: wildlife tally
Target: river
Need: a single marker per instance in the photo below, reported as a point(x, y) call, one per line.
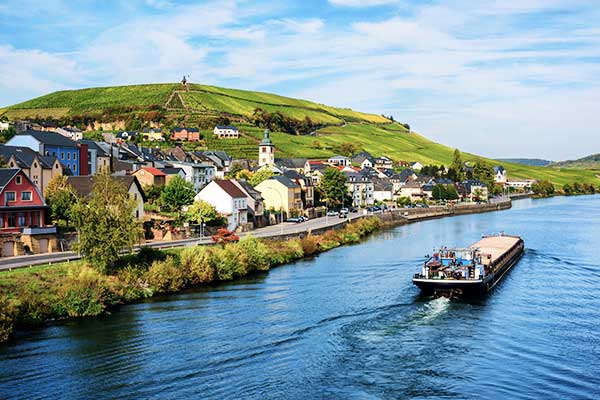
point(349, 324)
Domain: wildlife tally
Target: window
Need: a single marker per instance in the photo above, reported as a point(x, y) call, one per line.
point(21, 220)
point(62, 155)
point(9, 196)
point(26, 196)
point(11, 220)
point(18, 180)
point(34, 165)
point(74, 167)
point(68, 156)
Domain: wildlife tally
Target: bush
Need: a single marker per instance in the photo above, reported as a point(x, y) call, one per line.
point(166, 276)
point(309, 245)
point(256, 252)
point(199, 264)
point(36, 304)
point(284, 252)
point(84, 292)
point(8, 314)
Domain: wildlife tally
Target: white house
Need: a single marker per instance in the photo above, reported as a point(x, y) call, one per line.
point(72, 133)
point(4, 126)
point(417, 166)
point(413, 190)
point(340, 161)
point(226, 132)
point(198, 173)
point(228, 199)
point(520, 183)
point(500, 175)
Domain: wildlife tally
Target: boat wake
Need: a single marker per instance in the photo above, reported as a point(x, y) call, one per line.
point(432, 310)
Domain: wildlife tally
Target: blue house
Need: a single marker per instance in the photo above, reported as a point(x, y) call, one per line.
point(51, 144)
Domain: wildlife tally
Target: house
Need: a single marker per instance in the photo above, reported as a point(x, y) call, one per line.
point(185, 134)
point(407, 174)
point(126, 135)
point(416, 166)
point(39, 169)
point(306, 184)
point(294, 164)
point(384, 162)
point(23, 216)
point(281, 193)
point(339, 160)
point(98, 157)
point(171, 172)
point(500, 175)
point(363, 160)
point(254, 201)
point(70, 132)
point(71, 155)
point(413, 190)
point(520, 183)
point(150, 176)
point(153, 135)
point(220, 159)
point(83, 187)
point(473, 190)
point(266, 151)
point(198, 173)
point(383, 189)
point(403, 163)
point(4, 125)
point(360, 187)
point(228, 199)
point(226, 132)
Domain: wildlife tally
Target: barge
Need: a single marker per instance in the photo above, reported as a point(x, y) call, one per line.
point(469, 271)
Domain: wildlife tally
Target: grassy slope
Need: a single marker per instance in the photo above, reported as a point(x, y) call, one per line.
point(368, 131)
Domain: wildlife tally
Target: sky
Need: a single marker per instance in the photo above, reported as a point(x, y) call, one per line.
point(497, 78)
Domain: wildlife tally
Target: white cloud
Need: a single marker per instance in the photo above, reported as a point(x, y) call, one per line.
point(361, 3)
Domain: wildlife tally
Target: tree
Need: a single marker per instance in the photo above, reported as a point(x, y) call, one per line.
point(105, 222)
point(403, 201)
point(234, 170)
point(153, 193)
point(439, 192)
point(545, 188)
point(567, 189)
point(260, 176)
point(61, 197)
point(457, 166)
point(202, 212)
point(176, 194)
point(346, 149)
point(333, 188)
point(451, 193)
point(485, 173)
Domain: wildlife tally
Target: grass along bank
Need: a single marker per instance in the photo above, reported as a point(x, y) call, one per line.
point(31, 297)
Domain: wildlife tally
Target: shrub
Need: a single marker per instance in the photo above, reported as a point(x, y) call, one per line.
point(309, 245)
point(199, 264)
point(166, 276)
point(35, 304)
point(8, 314)
point(284, 252)
point(134, 286)
point(84, 292)
point(256, 253)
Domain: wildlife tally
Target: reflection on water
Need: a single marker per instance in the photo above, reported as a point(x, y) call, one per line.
point(349, 324)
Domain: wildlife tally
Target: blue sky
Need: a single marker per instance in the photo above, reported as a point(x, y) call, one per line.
point(493, 77)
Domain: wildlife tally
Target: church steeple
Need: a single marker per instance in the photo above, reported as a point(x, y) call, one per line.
point(266, 150)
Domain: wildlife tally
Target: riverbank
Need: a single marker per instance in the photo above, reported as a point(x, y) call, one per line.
point(30, 297)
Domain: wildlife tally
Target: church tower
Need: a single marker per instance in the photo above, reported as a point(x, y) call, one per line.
point(266, 151)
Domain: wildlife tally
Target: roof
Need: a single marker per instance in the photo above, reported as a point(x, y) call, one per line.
point(255, 194)
point(284, 180)
point(100, 152)
point(6, 175)
point(24, 156)
point(226, 127)
point(291, 162)
point(229, 187)
point(152, 130)
point(382, 185)
point(172, 170)
point(152, 170)
point(266, 141)
point(49, 138)
point(83, 184)
point(498, 168)
point(412, 184)
point(180, 128)
point(129, 134)
point(338, 157)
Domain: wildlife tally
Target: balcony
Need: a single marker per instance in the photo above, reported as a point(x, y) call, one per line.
point(47, 230)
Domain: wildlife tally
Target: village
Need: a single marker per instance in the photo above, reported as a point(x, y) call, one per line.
point(245, 194)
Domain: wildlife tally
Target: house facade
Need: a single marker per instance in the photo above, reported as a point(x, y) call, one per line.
point(473, 190)
point(185, 134)
point(69, 132)
point(40, 169)
point(500, 175)
point(361, 188)
point(150, 176)
point(71, 155)
point(254, 201)
point(23, 216)
point(153, 135)
point(98, 159)
point(339, 161)
point(280, 193)
point(228, 199)
point(198, 173)
point(226, 132)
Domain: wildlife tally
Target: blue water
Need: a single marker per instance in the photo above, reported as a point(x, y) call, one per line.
point(349, 324)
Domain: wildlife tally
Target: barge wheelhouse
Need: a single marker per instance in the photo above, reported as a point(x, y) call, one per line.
point(473, 270)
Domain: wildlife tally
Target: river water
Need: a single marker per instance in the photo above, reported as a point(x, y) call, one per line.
point(349, 324)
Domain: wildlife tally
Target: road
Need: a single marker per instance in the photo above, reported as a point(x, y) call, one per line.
point(287, 228)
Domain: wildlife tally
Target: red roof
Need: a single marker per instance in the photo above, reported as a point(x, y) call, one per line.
point(153, 171)
point(311, 162)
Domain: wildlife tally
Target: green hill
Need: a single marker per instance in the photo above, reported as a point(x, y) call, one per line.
point(202, 105)
point(589, 162)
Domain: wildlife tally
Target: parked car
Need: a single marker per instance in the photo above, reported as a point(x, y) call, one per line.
point(332, 213)
point(353, 209)
point(295, 219)
point(343, 214)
